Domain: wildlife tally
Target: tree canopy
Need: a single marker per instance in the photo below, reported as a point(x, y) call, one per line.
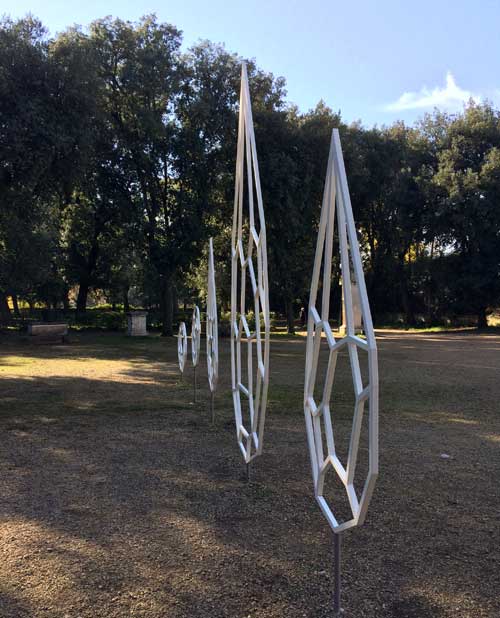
point(117, 152)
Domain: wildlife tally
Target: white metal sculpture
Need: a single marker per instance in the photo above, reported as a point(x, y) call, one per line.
point(182, 347)
point(195, 335)
point(249, 244)
point(195, 344)
point(212, 329)
point(324, 457)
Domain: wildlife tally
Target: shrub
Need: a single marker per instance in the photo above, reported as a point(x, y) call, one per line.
point(113, 320)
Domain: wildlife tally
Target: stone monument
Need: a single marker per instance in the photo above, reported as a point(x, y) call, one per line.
point(356, 310)
point(136, 324)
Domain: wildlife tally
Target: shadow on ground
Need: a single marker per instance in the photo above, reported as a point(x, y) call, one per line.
point(120, 498)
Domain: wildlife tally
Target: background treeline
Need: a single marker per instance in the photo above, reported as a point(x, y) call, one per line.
point(117, 157)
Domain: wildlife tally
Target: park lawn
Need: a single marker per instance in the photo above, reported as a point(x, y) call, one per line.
point(118, 497)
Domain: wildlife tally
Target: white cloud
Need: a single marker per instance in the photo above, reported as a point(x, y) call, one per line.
point(451, 97)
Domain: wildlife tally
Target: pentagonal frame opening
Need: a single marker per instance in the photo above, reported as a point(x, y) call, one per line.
point(333, 497)
point(339, 397)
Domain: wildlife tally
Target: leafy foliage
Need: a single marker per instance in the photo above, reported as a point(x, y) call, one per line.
point(117, 156)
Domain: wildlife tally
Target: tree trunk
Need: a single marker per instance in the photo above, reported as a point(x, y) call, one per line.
point(410, 318)
point(482, 320)
point(17, 313)
point(4, 308)
point(175, 300)
point(406, 299)
point(65, 299)
point(81, 301)
point(290, 322)
point(86, 278)
point(126, 304)
point(166, 308)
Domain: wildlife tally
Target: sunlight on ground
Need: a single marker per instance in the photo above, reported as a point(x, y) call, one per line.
point(97, 369)
point(463, 421)
point(120, 498)
point(495, 438)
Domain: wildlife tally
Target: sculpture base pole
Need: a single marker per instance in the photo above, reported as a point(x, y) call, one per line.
point(336, 575)
point(248, 472)
point(212, 406)
point(194, 384)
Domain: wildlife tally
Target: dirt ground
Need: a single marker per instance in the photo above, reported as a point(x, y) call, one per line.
point(118, 497)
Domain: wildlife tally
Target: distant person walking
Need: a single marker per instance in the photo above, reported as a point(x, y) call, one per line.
point(302, 316)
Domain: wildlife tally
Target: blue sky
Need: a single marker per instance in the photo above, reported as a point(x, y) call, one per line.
point(377, 61)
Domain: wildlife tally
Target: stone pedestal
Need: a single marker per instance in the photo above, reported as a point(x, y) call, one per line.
point(356, 310)
point(136, 322)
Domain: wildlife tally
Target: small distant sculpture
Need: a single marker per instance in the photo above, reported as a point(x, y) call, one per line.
point(212, 331)
point(195, 343)
point(182, 347)
point(195, 335)
point(249, 244)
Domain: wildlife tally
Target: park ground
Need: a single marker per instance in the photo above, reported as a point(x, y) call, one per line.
point(119, 498)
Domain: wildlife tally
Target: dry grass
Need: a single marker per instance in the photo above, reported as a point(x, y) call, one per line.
point(118, 498)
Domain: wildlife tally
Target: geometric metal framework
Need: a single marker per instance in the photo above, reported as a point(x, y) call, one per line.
point(250, 376)
point(318, 416)
point(195, 335)
point(182, 346)
point(212, 331)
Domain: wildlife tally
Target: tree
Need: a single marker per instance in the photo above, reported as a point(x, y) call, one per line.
point(27, 143)
point(140, 66)
point(468, 174)
point(117, 158)
point(47, 104)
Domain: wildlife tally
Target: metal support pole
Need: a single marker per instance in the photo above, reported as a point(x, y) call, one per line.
point(212, 406)
point(194, 384)
point(248, 472)
point(336, 575)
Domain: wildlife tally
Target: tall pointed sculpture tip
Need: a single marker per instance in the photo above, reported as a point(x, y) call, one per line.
point(244, 74)
point(334, 139)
